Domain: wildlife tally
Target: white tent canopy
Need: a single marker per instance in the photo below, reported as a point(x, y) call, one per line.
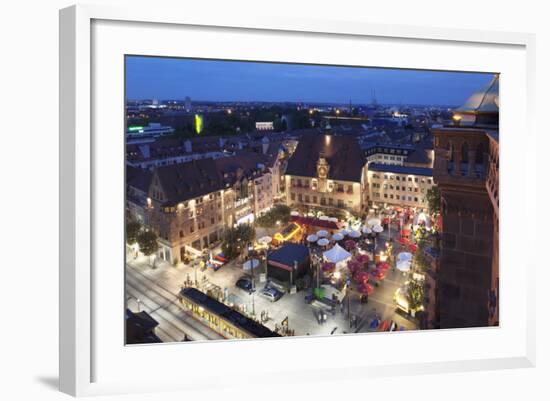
point(337, 255)
point(354, 234)
point(404, 256)
point(312, 238)
point(377, 229)
point(338, 237)
point(404, 265)
point(323, 242)
point(251, 264)
point(373, 222)
point(265, 240)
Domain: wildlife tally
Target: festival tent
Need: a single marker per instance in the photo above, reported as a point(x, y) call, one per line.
point(312, 238)
point(323, 242)
point(338, 237)
point(404, 265)
point(374, 222)
point(337, 255)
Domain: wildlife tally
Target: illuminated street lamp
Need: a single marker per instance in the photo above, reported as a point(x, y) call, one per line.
point(456, 119)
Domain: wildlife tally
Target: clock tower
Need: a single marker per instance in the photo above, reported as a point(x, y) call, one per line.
point(322, 172)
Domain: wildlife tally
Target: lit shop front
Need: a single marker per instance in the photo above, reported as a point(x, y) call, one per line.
point(220, 317)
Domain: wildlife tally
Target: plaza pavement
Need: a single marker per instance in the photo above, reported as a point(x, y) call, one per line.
point(158, 289)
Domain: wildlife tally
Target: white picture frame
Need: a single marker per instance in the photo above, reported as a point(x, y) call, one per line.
point(80, 211)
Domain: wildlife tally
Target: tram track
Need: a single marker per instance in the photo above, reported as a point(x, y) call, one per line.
point(164, 303)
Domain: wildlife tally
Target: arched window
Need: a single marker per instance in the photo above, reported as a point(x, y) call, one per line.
point(464, 153)
point(480, 152)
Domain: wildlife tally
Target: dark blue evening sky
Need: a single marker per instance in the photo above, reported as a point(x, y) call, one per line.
point(173, 78)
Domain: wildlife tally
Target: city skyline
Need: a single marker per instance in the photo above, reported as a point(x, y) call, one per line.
point(247, 81)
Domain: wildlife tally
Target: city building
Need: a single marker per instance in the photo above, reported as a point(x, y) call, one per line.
point(188, 104)
point(398, 185)
point(140, 328)
point(148, 133)
point(327, 172)
point(189, 205)
point(466, 172)
point(264, 125)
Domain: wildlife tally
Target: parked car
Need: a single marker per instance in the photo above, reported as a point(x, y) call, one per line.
point(271, 293)
point(245, 283)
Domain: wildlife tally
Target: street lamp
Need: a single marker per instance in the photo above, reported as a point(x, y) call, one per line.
point(138, 301)
point(377, 229)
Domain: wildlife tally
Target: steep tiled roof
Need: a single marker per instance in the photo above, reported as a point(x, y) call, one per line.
point(342, 153)
point(138, 178)
point(185, 181)
point(196, 178)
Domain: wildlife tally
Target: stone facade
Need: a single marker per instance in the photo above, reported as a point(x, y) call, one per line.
point(466, 274)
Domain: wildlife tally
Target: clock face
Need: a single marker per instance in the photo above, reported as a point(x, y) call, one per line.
point(322, 171)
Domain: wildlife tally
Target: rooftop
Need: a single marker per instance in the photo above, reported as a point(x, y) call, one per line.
point(387, 168)
point(342, 153)
point(290, 253)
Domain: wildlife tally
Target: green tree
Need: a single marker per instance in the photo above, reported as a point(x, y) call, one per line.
point(147, 241)
point(235, 239)
point(433, 195)
point(133, 227)
point(415, 294)
point(278, 213)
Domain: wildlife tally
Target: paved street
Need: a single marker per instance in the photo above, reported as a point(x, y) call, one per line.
point(157, 289)
point(162, 304)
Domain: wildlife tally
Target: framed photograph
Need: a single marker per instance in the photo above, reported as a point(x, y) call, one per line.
point(275, 198)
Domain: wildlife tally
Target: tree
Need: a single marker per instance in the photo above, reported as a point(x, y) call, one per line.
point(133, 227)
point(433, 195)
point(147, 241)
point(236, 239)
point(415, 294)
point(278, 213)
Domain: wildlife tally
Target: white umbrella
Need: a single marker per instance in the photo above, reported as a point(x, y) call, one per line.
point(265, 240)
point(378, 229)
point(355, 234)
point(366, 230)
point(404, 265)
point(294, 213)
point(345, 232)
point(323, 242)
point(404, 256)
point(338, 237)
point(325, 218)
point(374, 222)
point(322, 233)
point(333, 219)
point(251, 264)
point(312, 238)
